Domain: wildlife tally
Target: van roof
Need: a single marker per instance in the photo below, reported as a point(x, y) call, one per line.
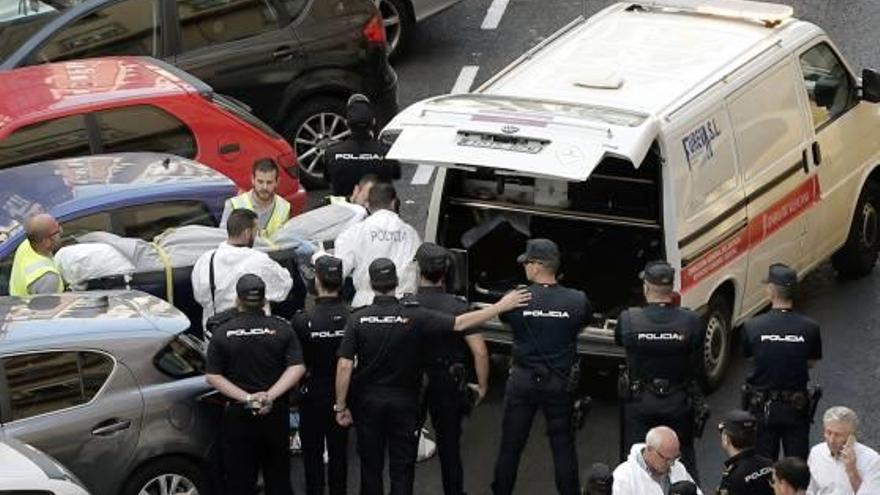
point(645, 56)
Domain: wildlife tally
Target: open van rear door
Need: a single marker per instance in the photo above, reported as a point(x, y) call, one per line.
point(524, 136)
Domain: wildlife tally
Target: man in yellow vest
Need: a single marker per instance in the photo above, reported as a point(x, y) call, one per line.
point(34, 270)
point(272, 210)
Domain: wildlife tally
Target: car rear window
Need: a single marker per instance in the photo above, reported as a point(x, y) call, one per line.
point(243, 112)
point(144, 128)
point(183, 357)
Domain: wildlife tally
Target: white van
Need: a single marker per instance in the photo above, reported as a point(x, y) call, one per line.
point(721, 135)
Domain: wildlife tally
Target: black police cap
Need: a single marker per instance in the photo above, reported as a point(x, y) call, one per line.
point(683, 487)
point(600, 478)
point(658, 273)
point(251, 289)
point(782, 275)
point(382, 270)
point(540, 250)
point(738, 421)
point(329, 269)
point(432, 258)
point(359, 110)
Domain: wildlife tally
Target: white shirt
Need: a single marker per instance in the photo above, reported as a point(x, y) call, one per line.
point(829, 474)
point(381, 235)
point(631, 477)
point(230, 263)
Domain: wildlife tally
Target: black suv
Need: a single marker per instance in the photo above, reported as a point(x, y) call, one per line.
point(294, 62)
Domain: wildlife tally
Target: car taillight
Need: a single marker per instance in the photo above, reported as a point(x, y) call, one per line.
point(374, 30)
point(287, 162)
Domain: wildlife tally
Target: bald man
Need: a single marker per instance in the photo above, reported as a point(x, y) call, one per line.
point(652, 467)
point(34, 270)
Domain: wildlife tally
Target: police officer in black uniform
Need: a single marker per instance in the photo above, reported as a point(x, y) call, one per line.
point(361, 154)
point(783, 345)
point(745, 472)
point(254, 359)
point(449, 392)
point(664, 345)
point(386, 337)
point(543, 374)
point(320, 331)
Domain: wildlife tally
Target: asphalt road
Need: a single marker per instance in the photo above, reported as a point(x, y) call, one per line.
point(850, 323)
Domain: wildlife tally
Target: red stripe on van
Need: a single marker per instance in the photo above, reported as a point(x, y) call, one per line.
point(755, 232)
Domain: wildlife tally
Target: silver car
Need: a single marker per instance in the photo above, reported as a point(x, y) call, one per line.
point(109, 383)
point(401, 16)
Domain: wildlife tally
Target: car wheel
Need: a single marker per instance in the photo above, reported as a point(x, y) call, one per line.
point(312, 128)
point(859, 255)
point(168, 476)
point(717, 343)
point(398, 23)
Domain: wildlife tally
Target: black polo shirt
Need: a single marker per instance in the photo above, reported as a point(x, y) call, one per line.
point(320, 331)
point(443, 347)
point(782, 343)
point(387, 338)
point(347, 162)
point(662, 341)
point(746, 474)
point(253, 350)
point(545, 332)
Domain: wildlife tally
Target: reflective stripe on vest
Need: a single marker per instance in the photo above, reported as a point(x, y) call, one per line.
point(280, 212)
point(27, 267)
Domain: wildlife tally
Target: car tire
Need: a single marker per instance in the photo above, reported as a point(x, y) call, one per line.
point(718, 342)
point(174, 474)
point(399, 25)
point(312, 127)
point(859, 255)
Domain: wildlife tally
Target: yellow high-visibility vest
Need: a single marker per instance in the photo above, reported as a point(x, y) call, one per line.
point(27, 267)
point(280, 212)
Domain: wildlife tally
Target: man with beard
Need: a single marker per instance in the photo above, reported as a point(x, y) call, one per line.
point(272, 210)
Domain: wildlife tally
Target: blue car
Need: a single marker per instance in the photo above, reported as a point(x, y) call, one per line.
point(129, 194)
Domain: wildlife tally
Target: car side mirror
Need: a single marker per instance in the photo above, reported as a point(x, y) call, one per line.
point(824, 91)
point(871, 85)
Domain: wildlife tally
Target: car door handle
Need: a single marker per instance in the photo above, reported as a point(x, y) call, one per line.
point(229, 148)
point(817, 153)
point(284, 53)
point(110, 427)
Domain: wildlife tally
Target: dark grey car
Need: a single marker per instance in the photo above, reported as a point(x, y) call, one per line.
point(109, 384)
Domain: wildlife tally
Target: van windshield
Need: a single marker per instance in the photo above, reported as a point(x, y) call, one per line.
point(539, 108)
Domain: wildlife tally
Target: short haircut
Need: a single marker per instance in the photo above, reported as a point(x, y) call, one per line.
point(331, 286)
point(793, 471)
point(368, 179)
point(843, 415)
point(265, 165)
point(741, 439)
point(784, 292)
point(550, 266)
point(240, 220)
point(383, 287)
point(382, 195)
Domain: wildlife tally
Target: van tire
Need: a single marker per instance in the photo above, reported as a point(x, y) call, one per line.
point(718, 342)
point(310, 111)
point(859, 255)
point(184, 470)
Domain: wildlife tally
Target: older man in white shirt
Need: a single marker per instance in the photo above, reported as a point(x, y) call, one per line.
point(841, 465)
point(231, 260)
point(652, 467)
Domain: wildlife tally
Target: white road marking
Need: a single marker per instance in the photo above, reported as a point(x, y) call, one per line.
point(463, 84)
point(494, 14)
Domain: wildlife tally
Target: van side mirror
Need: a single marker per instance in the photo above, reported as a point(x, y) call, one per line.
point(871, 85)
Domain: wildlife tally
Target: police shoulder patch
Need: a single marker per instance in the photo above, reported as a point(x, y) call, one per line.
point(409, 300)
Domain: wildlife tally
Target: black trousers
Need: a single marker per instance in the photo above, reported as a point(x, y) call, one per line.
point(256, 443)
point(447, 412)
point(526, 393)
point(317, 426)
point(674, 410)
point(386, 419)
point(782, 423)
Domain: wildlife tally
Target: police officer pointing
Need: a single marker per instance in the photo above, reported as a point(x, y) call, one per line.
point(386, 338)
point(664, 346)
point(543, 375)
point(254, 360)
point(783, 345)
point(745, 472)
point(320, 331)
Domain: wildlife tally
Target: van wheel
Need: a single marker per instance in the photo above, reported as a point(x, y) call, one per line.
point(857, 257)
point(168, 476)
point(311, 128)
point(717, 344)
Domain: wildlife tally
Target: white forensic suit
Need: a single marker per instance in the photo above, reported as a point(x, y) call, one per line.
point(632, 477)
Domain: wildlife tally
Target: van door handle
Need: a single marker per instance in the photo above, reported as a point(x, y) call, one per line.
point(111, 426)
point(805, 162)
point(817, 153)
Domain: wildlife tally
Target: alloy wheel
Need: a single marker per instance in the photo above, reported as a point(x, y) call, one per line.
point(314, 136)
point(393, 25)
point(169, 484)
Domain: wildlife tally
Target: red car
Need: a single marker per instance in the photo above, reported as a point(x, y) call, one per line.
point(108, 105)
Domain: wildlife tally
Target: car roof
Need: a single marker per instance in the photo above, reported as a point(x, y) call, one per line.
point(38, 89)
point(65, 186)
point(70, 316)
point(642, 57)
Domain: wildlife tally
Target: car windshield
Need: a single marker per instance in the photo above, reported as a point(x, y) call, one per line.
point(21, 19)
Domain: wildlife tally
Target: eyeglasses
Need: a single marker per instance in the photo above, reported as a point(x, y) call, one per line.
point(668, 460)
point(57, 232)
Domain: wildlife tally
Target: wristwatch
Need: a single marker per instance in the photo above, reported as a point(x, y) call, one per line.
point(339, 408)
point(247, 398)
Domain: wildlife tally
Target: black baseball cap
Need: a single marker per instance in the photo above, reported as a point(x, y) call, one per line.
point(599, 478)
point(782, 275)
point(329, 269)
point(540, 250)
point(738, 421)
point(658, 273)
point(359, 110)
point(382, 270)
point(251, 289)
point(432, 258)
point(683, 487)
